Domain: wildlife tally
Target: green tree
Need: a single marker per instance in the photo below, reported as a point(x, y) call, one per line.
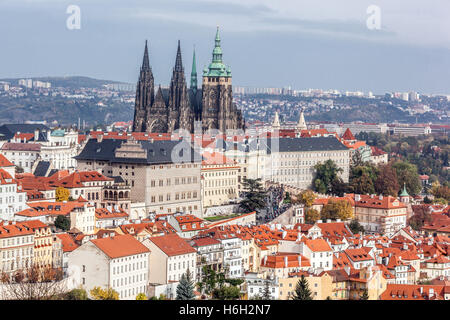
point(226, 293)
point(185, 289)
point(76, 294)
point(387, 181)
point(355, 227)
point(311, 216)
point(327, 173)
point(365, 295)
point(427, 200)
point(254, 195)
point(266, 292)
point(302, 291)
point(337, 209)
point(62, 222)
point(362, 178)
point(407, 173)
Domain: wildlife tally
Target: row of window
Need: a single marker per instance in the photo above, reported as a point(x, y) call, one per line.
point(130, 267)
point(178, 196)
point(177, 181)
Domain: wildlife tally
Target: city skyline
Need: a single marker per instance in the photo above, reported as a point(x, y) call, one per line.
point(330, 48)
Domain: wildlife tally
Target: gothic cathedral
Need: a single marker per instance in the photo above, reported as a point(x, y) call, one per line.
point(181, 108)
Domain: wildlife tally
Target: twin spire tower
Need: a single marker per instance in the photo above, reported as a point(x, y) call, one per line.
point(179, 107)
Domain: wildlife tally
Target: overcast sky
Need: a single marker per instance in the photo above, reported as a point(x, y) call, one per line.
point(299, 43)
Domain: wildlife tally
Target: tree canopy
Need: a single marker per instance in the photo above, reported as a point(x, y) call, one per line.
point(185, 288)
point(337, 209)
point(302, 291)
point(254, 198)
point(327, 177)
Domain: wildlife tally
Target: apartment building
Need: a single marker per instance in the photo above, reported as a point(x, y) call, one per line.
point(12, 197)
point(163, 174)
point(43, 243)
point(171, 257)
point(80, 213)
point(23, 155)
point(16, 246)
point(209, 254)
point(119, 262)
point(319, 253)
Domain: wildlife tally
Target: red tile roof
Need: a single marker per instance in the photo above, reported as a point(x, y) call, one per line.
point(21, 146)
point(5, 162)
point(348, 135)
point(413, 292)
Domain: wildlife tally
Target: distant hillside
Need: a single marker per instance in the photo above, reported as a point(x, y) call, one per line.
point(72, 82)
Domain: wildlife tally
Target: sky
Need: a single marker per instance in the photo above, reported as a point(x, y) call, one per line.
point(267, 43)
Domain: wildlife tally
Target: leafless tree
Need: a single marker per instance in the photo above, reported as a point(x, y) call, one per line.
point(32, 283)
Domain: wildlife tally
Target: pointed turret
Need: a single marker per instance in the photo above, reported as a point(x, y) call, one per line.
point(178, 61)
point(276, 121)
point(159, 96)
point(217, 68)
point(145, 60)
point(404, 196)
point(301, 125)
point(348, 135)
point(194, 75)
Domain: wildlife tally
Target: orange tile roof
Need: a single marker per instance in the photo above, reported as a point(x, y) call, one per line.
point(279, 261)
point(120, 246)
point(204, 241)
point(172, 245)
point(8, 229)
point(317, 245)
point(103, 213)
point(68, 244)
point(216, 158)
point(6, 178)
point(366, 201)
point(358, 255)
point(50, 208)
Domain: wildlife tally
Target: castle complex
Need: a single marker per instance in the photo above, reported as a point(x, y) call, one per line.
point(180, 107)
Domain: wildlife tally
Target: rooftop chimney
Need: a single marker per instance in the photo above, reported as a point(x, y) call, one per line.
point(357, 197)
point(36, 135)
point(285, 261)
point(99, 137)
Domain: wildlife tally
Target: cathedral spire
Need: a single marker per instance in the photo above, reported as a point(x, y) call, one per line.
point(217, 52)
point(178, 62)
point(145, 61)
point(194, 74)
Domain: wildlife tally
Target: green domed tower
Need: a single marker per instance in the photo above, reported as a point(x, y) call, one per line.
point(218, 110)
